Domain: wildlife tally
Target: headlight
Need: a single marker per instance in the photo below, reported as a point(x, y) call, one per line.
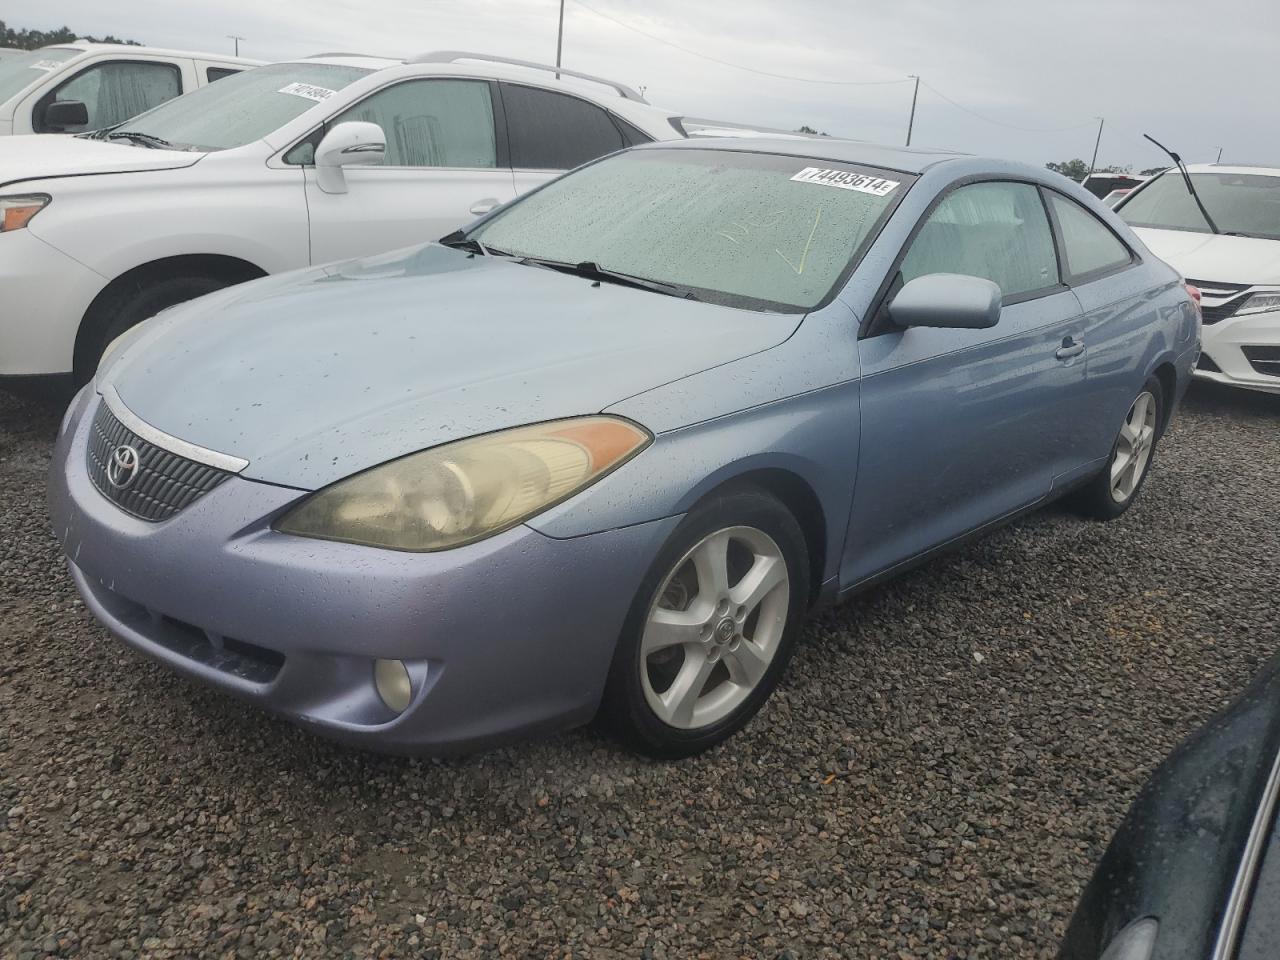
point(16, 212)
point(1260, 302)
point(1134, 942)
point(468, 490)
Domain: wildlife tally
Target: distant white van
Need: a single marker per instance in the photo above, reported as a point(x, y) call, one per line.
point(81, 86)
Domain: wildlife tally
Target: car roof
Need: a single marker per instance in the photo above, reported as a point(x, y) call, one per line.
point(90, 46)
point(601, 90)
point(1233, 168)
point(905, 159)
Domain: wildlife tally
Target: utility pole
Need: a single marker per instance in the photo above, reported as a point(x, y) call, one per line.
point(1094, 162)
point(232, 36)
point(911, 122)
point(560, 38)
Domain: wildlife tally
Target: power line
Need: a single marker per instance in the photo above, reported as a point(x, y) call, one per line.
point(726, 63)
point(1001, 123)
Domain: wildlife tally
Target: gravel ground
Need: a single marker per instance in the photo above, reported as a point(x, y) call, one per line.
point(942, 767)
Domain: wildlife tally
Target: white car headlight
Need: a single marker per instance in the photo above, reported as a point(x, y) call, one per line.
point(16, 212)
point(467, 490)
point(1260, 302)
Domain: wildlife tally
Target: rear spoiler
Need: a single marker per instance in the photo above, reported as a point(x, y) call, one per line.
point(697, 127)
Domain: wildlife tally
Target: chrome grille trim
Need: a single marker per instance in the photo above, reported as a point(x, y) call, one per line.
point(166, 482)
point(183, 448)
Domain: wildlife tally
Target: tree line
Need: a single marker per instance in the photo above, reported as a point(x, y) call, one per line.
point(32, 39)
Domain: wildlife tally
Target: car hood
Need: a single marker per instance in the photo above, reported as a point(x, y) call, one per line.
point(1209, 256)
point(45, 155)
point(315, 375)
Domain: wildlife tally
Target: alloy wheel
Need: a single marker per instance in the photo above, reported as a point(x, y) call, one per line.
point(1133, 449)
point(715, 627)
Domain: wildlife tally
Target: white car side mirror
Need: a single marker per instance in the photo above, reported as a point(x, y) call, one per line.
point(347, 144)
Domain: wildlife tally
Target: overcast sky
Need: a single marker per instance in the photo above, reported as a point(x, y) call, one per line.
point(1195, 75)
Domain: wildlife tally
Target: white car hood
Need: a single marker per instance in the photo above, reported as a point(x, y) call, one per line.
point(1209, 256)
point(42, 156)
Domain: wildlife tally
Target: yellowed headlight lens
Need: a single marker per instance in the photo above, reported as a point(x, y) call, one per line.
point(465, 491)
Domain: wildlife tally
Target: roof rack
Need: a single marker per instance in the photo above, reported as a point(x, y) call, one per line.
point(453, 56)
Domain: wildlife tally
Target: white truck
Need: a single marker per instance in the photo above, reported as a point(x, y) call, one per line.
point(81, 86)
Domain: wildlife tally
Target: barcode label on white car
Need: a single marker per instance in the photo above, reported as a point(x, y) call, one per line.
point(45, 65)
point(308, 91)
point(846, 180)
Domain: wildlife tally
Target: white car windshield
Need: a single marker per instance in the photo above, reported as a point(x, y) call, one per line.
point(18, 73)
point(1242, 204)
point(755, 230)
point(238, 109)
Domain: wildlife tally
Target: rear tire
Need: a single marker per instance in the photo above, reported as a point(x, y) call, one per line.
point(711, 628)
point(1113, 491)
point(129, 307)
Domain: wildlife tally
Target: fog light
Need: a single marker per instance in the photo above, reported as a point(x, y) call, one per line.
point(392, 681)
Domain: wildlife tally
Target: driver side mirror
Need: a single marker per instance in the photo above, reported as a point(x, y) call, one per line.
point(356, 142)
point(948, 300)
point(61, 114)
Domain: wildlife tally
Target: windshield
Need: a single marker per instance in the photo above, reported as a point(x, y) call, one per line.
point(245, 107)
point(747, 229)
point(1247, 204)
point(18, 73)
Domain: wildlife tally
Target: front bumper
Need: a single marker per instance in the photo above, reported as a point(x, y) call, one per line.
point(1236, 349)
point(43, 297)
point(509, 636)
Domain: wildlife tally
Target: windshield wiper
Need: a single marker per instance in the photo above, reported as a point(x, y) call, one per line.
point(146, 139)
point(593, 271)
point(1186, 178)
point(460, 241)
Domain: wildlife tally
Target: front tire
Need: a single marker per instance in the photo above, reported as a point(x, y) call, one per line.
point(1112, 492)
point(711, 628)
point(129, 307)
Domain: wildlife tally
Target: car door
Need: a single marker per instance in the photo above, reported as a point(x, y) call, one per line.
point(1119, 316)
point(114, 90)
point(961, 427)
point(444, 165)
point(550, 132)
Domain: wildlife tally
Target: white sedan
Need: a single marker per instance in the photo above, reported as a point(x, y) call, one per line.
point(1230, 249)
point(280, 167)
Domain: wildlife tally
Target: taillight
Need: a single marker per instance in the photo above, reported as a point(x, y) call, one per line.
point(1195, 296)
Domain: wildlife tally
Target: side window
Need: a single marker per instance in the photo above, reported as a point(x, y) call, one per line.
point(218, 73)
point(554, 131)
point(432, 123)
point(114, 92)
point(1088, 245)
point(997, 231)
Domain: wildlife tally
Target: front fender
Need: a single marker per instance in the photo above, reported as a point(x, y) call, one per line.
point(813, 437)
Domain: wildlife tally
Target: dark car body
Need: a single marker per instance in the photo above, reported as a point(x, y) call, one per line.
point(1199, 851)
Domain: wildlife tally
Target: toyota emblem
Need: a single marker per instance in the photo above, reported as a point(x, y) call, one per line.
point(122, 467)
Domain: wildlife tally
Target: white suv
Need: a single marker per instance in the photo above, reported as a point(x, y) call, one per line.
point(81, 86)
point(291, 164)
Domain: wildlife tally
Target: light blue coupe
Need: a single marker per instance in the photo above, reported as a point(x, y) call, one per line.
point(601, 451)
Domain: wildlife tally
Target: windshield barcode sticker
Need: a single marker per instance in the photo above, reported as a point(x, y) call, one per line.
point(45, 65)
point(845, 180)
point(308, 91)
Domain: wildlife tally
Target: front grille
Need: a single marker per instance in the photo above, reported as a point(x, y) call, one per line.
point(247, 661)
point(1219, 301)
point(164, 482)
point(1266, 360)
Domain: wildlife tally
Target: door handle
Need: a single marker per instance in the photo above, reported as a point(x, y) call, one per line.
point(481, 207)
point(1070, 348)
